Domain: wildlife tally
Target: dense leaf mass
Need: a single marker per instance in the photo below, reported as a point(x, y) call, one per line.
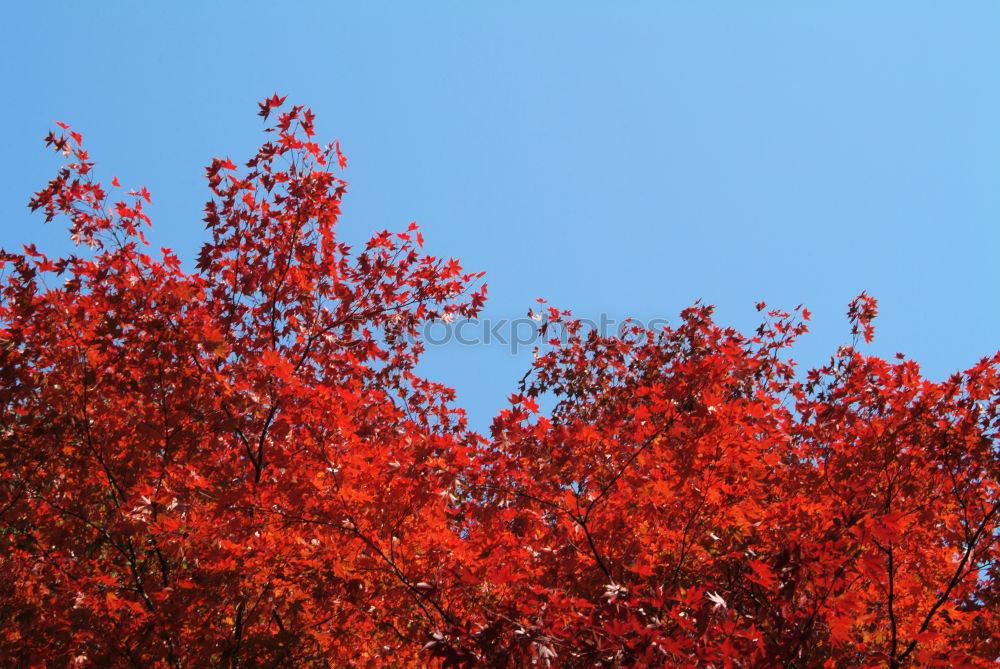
point(239, 466)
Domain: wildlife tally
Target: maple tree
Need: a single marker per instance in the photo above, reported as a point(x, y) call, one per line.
point(240, 465)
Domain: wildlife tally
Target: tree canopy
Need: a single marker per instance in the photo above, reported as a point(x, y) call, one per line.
point(241, 466)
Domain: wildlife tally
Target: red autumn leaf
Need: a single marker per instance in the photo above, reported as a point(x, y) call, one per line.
point(341, 159)
point(761, 574)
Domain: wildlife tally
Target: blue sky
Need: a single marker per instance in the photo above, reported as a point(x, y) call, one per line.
point(618, 158)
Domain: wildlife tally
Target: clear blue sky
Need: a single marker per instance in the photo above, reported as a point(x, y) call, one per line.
point(624, 158)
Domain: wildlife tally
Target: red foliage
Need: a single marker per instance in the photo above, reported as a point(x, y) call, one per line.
point(239, 466)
